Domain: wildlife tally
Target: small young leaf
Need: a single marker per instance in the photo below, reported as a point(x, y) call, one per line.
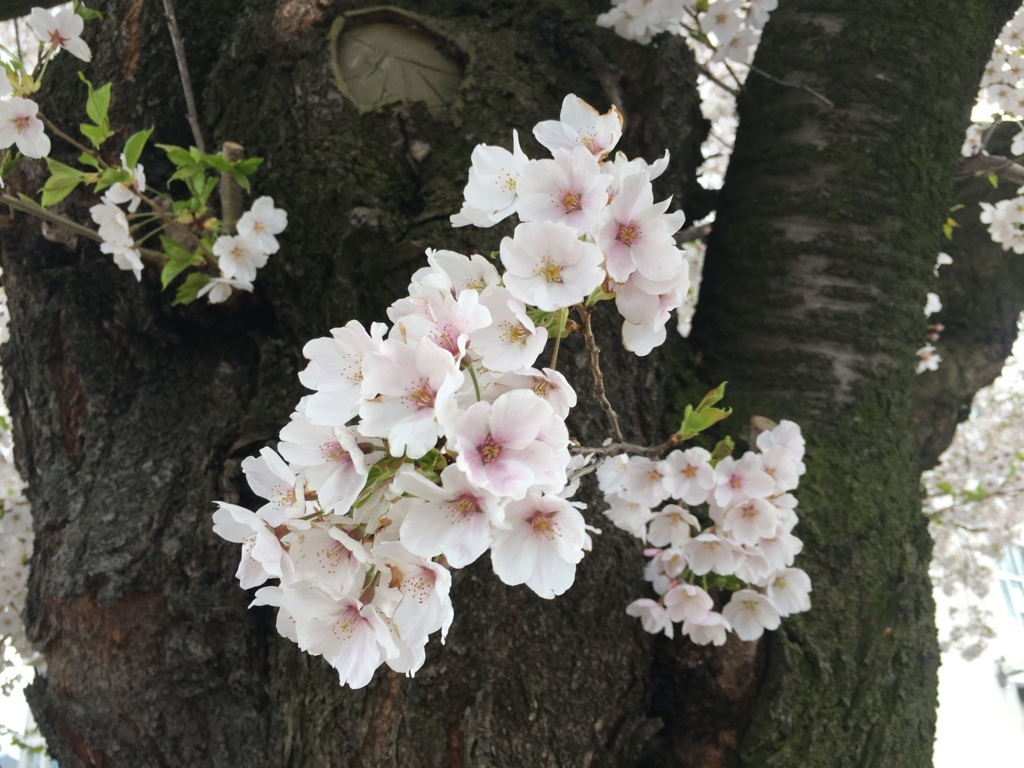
point(188, 290)
point(723, 449)
point(243, 182)
point(133, 147)
point(248, 166)
point(175, 251)
point(171, 270)
point(56, 190)
point(712, 397)
point(207, 190)
point(88, 14)
point(111, 176)
point(89, 160)
point(993, 180)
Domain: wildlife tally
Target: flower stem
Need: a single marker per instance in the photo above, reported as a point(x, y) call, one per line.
point(563, 315)
point(476, 384)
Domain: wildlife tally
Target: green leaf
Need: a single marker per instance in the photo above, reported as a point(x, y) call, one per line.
point(219, 163)
point(28, 200)
point(712, 397)
point(95, 133)
point(62, 182)
point(177, 155)
point(89, 160)
point(993, 180)
point(188, 290)
point(243, 182)
point(111, 176)
point(207, 190)
point(248, 166)
point(945, 487)
point(88, 14)
point(175, 250)
point(724, 448)
point(171, 270)
point(957, 207)
point(133, 147)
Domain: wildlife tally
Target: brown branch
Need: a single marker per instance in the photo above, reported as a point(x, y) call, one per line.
point(230, 191)
point(699, 232)
point(614, 449)
point(186, 80)
point(983, 165)
point(595, 369)
point(73, 142)
point(72, 226)
point(827, 102)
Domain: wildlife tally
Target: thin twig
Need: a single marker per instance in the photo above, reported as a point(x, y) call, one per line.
point(699, 232)
point(72, 141)
point(595, 369)
point(186, 80)
point(73, 226)
point(716, 80)
point(614, 449)
point(827, 102)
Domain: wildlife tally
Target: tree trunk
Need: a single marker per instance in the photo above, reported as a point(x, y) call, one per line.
point(131, 416)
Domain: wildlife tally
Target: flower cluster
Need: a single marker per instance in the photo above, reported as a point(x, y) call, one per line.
point(731, 27)
point(975, 505)
point(436, 439)
point(747, 547)
point(928, 357)
point(588, 223)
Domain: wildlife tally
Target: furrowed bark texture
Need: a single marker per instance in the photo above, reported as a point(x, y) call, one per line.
point(827, 231)
point(132, 416)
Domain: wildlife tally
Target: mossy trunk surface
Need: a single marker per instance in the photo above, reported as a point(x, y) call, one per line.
point(131, 416)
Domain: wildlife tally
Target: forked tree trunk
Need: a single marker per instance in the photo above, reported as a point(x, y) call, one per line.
point(131, 417)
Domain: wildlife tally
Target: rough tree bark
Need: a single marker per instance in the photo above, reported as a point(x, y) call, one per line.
point(130, 417)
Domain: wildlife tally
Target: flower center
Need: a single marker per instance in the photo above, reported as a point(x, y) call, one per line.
point(628, 234)
point(735, 481)
point(550, 271)
point(490, 450)
point(423, 395)
point(464, 506)
point(541, 524)
point(541, 388)
point(571, 202)
point(56, 39)
point(21, 123)
point(515, 333)
point(690, 472)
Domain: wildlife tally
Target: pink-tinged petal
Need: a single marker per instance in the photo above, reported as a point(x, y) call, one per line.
point(551, 576)
point(517, 417)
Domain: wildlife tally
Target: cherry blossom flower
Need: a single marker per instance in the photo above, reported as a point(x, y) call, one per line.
point(262, 222)
point(688, 602)
point(501, 446)
point(324, 554)
point(653, 616)
point(239, 257)
point(569, 189)
point(219, 289)
point(113, 224)
point(425, 606)
point(737, 481)
point(349, 635)
point(126, 257)
point(708, 552)
point(630, 516)
point(263, 557)
point(407, 391)
point(933, 305)
point(789, 591)
point(331, 460)
point(645, 481)
point(689, 475)
point(750, 613)
point(542, 545)
point(671, 527)
point(549, 267)
point(19, 124)
point(456, 520)
point(272, 479)
point(636, 233)
point(335, 371)
point(62, 30)
point(120, 193)
point(511, 341)
point(457, 272)
point(711, 629)
point(929, 359)
point(491, 194)
point(581, 125)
